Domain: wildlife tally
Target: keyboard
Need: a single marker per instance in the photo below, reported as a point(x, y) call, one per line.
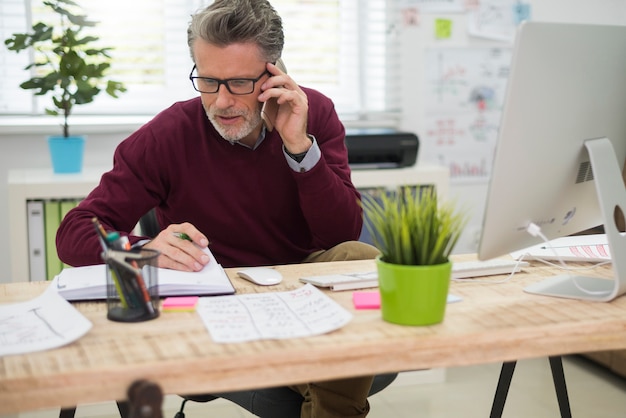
point(467, 269)
point(460, 270)
point(344, 281)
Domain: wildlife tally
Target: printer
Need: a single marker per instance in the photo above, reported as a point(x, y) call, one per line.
point(381, 148)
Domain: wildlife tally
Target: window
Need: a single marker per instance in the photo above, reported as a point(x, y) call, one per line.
point(339, 47)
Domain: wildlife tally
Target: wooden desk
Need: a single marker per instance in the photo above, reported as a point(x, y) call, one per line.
point(493, 323)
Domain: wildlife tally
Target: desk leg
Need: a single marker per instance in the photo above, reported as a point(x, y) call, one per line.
point(556, 364)
point(67, 412)
point(124, 408)
point(506, 374)
point(145, 400)
point(504, 382)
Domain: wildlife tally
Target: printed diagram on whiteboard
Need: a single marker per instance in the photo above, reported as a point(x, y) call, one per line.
point(463, 99)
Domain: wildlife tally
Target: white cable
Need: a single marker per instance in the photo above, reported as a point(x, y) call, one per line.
point(569, 268)
point(535, 230)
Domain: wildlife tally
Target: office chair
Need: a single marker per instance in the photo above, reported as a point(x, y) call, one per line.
point(149, 225)
point(274, 402)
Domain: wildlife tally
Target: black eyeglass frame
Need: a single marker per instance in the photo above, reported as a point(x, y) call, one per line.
point(225, 82)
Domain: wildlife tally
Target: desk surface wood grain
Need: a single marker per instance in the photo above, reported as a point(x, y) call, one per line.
point(493, 323)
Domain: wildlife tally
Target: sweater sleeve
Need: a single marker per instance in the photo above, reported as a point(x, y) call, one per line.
point(76, 240)
point(328, 199)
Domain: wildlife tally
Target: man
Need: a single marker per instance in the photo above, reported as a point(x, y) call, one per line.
point(261, 193)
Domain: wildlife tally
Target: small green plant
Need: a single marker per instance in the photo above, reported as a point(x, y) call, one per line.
point(410, 227)
point(75, 68)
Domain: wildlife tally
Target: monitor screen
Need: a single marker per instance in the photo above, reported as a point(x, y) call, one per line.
point(562, 140)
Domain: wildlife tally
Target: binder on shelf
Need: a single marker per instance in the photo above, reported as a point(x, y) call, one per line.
point(66, 206)
point(36, 240)
point(52, 219)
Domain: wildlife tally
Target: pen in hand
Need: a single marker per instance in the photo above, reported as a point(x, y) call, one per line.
point(183, 236)
point(178, 254)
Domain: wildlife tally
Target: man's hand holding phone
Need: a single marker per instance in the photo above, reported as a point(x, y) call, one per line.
point(285, 108)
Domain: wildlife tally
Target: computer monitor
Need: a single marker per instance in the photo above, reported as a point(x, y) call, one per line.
point(560, 150)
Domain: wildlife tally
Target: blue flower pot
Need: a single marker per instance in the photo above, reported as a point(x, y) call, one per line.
point(66, 153)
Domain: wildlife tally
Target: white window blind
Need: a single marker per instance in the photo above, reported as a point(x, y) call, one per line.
point(340, 47)
point(12, 98)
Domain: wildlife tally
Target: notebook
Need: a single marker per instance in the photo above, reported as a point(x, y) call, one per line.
point(591, 248)
point(89, 282)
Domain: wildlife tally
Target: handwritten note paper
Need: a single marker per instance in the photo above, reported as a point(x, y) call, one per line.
point(298, 313)
point(45, 322)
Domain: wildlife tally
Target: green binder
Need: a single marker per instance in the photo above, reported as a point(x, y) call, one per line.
point(52, 213)
point(66, 206)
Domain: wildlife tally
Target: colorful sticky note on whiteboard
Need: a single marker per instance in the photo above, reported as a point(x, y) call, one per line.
point(521, 12)
point(443, 28)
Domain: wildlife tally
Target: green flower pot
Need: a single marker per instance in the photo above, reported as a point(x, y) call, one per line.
point(413, 295)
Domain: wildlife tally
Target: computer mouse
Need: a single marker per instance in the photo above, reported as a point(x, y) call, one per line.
point(264, 276)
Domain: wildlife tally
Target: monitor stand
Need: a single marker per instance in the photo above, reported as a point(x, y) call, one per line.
point(611, 196)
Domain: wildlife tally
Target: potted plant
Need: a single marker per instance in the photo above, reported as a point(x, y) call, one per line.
point(71, 67)
point(415, 234)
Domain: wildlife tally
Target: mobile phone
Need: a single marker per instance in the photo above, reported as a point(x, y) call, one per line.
point(269, 111)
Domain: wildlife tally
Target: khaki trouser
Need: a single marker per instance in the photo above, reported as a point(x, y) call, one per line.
point(350, 250)
point(344, 397)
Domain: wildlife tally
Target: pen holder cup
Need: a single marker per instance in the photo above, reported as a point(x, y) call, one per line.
point(132, 291)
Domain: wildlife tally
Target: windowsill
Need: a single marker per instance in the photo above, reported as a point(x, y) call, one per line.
point(79, 124)
point(83, 124)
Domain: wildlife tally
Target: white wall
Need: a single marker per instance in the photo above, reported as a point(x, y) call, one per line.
point(26, 147)
point(415, 39)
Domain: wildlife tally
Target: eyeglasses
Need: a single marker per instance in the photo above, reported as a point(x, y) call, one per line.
point(238, 86)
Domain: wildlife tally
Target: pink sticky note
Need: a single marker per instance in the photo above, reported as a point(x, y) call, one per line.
point(366, 300)
point(371, 300)
point(180, 303)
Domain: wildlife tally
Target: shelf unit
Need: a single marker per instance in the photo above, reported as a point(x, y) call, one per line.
point(31, 184)
point(391, 178)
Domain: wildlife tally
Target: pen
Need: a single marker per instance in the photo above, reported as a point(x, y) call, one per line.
point(102, 235)
point(182, 235)
point(104, 242)
point(124, 293)
point(141, 290)
point(121, 243)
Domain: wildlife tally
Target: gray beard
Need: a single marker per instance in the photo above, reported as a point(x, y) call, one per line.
point(235, 134)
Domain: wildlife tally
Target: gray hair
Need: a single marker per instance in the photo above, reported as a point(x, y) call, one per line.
point(226, 22)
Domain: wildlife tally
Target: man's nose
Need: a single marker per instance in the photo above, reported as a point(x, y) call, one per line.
point(224, 97)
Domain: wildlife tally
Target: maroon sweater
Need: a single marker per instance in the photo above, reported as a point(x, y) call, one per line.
point(252, 206)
